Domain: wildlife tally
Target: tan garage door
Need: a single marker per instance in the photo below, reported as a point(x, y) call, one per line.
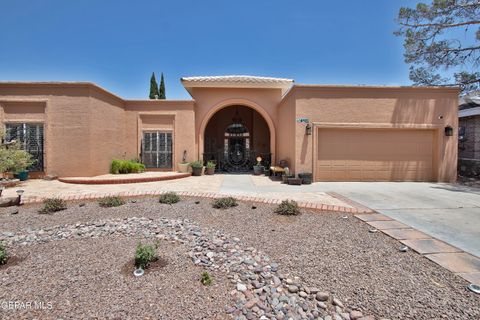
point(374, 155)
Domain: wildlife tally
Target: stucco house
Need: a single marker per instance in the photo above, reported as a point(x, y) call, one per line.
point(336, 132)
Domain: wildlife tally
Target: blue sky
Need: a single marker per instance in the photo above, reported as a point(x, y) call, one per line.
point(117, 44)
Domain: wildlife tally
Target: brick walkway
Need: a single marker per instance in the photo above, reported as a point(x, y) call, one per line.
point(204, 186)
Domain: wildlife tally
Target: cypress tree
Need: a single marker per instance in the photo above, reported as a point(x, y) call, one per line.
point(153, 87)
point(161, 89)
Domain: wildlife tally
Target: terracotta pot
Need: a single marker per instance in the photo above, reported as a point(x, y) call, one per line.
point(210, 171)
point(197, 171)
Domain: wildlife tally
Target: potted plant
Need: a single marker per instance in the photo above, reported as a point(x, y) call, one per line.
point(210, 168)
point(21, 160)
point(183, 166)
point(306, 177)
point(258, 168)
point(197, 168)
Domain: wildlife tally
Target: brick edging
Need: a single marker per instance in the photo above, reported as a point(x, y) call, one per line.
point(208, 195)
point(358, 206)
point(124, 181)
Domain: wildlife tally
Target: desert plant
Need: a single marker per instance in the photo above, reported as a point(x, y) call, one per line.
point(224, 203)
point(211, 164)
point(12, 157)
point(53, 205)
point(206, 279)
point(3, 254)
point(288, 207)
point(197, 164)
point(126, 166)
point(144, 254)
point(169, 198)
point(108, 202)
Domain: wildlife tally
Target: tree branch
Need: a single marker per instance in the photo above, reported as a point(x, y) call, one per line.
point(440, 25)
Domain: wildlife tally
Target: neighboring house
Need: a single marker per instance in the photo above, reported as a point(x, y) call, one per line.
point(339, 133)
point(469, 134)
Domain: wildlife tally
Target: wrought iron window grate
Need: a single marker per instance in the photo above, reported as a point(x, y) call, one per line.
point(31, 138)
point(157, 149)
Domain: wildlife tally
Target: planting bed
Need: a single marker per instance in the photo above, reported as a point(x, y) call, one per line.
point(82, 274)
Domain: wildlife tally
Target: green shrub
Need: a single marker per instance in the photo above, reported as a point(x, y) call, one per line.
point(169, 198)
point(224, 203)
point(126, 166)
point(206, 279)
point(288, 207)
point(3, 254)
point(108, 202)
point(197, 164)
point(211, 164)
point(144, 254)
point(53, 205)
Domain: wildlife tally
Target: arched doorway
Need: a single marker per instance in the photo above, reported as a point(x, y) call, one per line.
point(234, 137)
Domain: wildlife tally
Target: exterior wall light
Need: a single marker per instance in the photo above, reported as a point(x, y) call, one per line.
point(308, 129)
point(448, 131)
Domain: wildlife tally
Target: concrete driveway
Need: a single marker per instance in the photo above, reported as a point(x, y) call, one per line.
point(448, 212)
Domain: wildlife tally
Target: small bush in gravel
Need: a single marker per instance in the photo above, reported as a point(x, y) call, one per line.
point(288, 208)
point(3, 254)
point(108, 202)
point(144, 254)
point(169, 198)
point(53, 205)
point(224, 203)
point(206, 279)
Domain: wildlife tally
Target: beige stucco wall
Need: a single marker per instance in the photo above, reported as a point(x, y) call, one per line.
point(86, 127)
point(377, 107)
point(162, 115)
point(286, 131)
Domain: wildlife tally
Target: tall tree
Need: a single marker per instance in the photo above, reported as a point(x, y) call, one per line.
point(153, 87)
point(442, 35)
point(161, 89)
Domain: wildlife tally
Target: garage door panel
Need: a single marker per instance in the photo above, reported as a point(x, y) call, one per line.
point(374, 155)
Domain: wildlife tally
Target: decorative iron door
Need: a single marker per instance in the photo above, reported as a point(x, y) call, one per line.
point(30, 136)
point(157, 149)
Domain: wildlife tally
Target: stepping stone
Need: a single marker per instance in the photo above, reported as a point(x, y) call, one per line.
point(373, 217)
point(406, 234)
point(424, 246)
point(473, 277)
point(456, 262)
point(392, 224)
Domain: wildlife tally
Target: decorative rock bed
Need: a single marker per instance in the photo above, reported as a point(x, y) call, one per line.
point(259, 290)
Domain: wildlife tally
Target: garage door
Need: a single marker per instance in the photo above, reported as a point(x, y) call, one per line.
point(374, 155)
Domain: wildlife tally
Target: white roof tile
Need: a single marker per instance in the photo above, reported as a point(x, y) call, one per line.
point(237, 79)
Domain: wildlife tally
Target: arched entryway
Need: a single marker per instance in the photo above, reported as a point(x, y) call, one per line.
point(234, 137)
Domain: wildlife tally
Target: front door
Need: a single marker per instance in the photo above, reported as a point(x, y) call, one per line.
point(157, 149)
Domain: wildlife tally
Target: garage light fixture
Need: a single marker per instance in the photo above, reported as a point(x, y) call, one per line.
point(448, 131)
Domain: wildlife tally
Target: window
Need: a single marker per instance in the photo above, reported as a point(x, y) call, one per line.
point(157, 149)
point(31, 139)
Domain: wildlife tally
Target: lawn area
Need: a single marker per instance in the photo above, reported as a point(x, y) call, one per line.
point(78, 263)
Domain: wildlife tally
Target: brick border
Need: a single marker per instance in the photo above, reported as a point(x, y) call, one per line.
point(358, 206)
point(208, 195)
point(124, 181)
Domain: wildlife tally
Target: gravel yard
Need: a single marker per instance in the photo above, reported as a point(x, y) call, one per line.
point(84, 279)
point(366, 271)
